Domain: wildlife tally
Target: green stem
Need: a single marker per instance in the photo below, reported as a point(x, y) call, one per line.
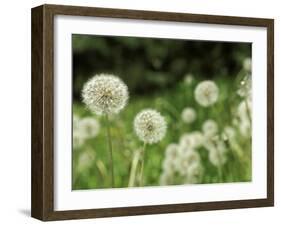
point(142, 165)
point(220, 173)
point(220, 169)
point(102, 169)
point(248, 111)
point(110, 150)
point(133, 171)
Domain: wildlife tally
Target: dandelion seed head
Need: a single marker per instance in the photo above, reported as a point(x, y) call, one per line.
point(185, 146)
point(172, 151)
point(217, 152)
point(186, 160)
point(78, 140)
point(89, 127)
point(244, 112)
point(83, 129)
point(245, 128)
point(245, 88)
point(206, 93)
point(247, 64)
point(194, 173)
point(190, 141)
point(168, 165)
point(217, 158)
point(85, 160)
point(166, 178)
point(210, 128)
point(244, 109)
point(188, 115)
point(229, 133)
point(188, 79)
point(150, 126)
point(76, 120)
point(195, 169)
point(105, 94)
point(221, 146)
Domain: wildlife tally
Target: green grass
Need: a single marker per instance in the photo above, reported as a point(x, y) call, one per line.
point(170, 102)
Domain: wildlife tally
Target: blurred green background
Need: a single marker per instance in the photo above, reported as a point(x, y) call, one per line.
point(148, 65)
point(155, 70)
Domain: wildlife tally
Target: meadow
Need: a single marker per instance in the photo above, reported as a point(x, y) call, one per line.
point(224, 128)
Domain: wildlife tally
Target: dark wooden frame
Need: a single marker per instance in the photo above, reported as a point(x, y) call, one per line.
point(42, 203)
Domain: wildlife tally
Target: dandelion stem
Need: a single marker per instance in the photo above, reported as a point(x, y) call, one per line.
point(248, 111)
point(220, 173)
point(142, 165)
point(101, 168)
point(110, 150)
point(220, 169)
point(133, 171)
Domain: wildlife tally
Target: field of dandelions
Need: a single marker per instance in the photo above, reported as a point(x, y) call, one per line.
point(197, 131)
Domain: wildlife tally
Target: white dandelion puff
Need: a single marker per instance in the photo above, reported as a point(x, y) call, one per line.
point(194, 173)
point(217, 152)
point(245, 128)
point(206, 93)
point(171, 155)
point(245, 87)
point(186, 159)
point(198, 138)
point(172, 151)
point(217, 158)
point(84, 129)
point(188, 79)
point(89, 127)
point(168, 164)
point(185, 145)
point(105, 94)
point(166, 178)
point(247, 64)
point(244, 113)
point(75, 121)
point(85, 160)
point(189, 141)
point(78, 140)
point(229, 133)
point(150, 126)
point(244, 109)
point(188, 115)
point(210, 128)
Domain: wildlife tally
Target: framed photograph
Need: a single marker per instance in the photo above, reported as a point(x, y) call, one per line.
point(141, 112)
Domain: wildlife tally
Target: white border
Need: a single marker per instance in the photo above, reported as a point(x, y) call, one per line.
point(66, 199)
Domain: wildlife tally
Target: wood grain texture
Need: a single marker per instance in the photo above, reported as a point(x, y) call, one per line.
point(42, 113)
point(270, 111)
point(43, 106)
point(37, 159)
